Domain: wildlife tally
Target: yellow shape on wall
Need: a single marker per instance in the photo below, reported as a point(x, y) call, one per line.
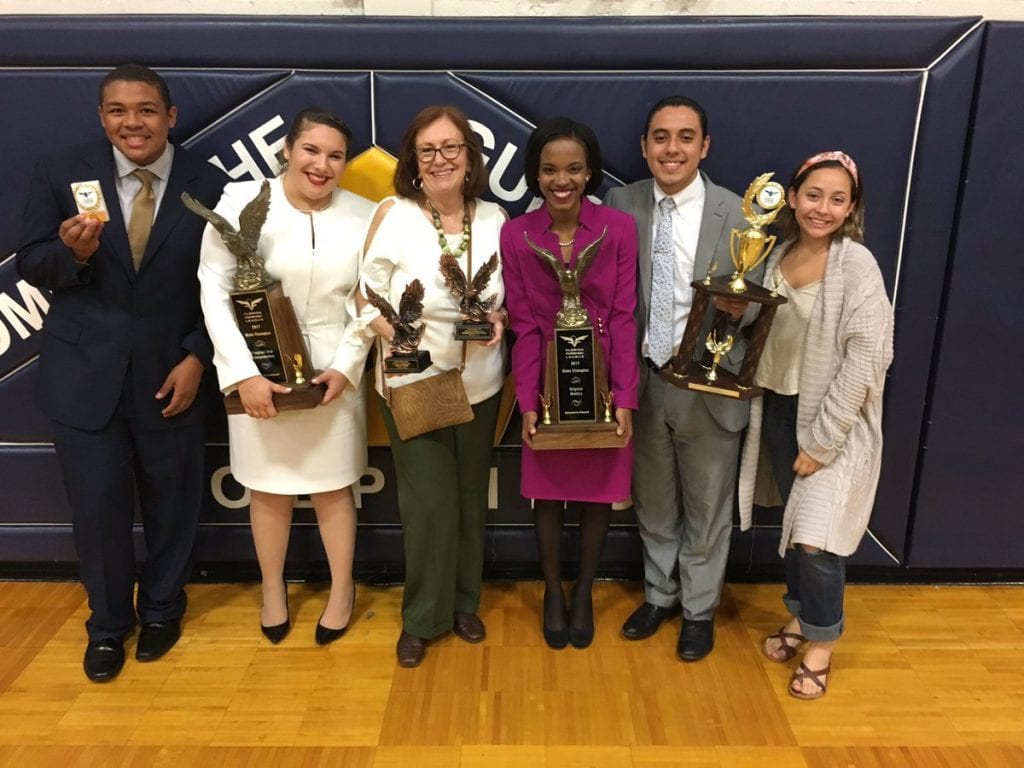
point(370, 174)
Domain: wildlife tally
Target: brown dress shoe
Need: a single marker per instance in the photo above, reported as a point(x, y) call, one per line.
point(410, 649)
point(469, 627)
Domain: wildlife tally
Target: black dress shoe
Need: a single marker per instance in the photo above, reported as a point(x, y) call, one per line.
point(557, 638)
point(581, 636)
point(103, 659)
point(410, 650)
point(646, 619)
point(156, 639)
point(696, 640)
point(469, 627)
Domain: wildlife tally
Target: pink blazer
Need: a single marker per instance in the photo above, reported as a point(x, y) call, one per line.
point(533, 297)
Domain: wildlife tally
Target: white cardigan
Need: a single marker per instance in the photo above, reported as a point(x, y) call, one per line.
point(839, 417)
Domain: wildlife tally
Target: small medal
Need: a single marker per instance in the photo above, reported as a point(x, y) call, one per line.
point(89, 199)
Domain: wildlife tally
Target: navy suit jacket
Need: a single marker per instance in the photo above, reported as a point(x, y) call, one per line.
point(109, 327)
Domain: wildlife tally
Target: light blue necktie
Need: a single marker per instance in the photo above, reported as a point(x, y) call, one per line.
point(660, 321)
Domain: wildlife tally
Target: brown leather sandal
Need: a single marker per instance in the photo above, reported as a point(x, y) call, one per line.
point(816, 676)
point(788, 651)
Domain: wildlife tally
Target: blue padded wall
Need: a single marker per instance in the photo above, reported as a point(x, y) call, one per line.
point(968, 506)
point(897, 94)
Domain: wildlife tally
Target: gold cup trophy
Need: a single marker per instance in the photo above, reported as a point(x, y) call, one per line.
point(749, 248)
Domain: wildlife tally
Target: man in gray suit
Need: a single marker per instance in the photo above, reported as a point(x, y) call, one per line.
point(687, 443)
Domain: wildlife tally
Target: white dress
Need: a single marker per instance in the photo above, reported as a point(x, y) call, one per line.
point(309, 451)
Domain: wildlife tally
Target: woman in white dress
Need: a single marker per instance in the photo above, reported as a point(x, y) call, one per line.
point(311, 244)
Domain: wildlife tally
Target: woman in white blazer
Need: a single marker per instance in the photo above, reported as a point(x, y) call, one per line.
point(311, 243)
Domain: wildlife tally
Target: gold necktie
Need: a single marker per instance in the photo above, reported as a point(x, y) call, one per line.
point(141, 222)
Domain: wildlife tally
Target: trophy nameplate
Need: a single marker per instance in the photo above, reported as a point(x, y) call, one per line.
point(473, 324)
point(749, 248)
point(576, 408)
point(264, 315)
point(406, 356)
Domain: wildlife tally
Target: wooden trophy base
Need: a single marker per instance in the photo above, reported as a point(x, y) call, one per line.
point(686, 373)
point(695, 379)
point(301, 398)
point(570, 434)
point(567, 436)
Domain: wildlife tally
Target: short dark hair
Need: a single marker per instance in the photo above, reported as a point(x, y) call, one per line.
point(852, 228)
point(677, 101)
point(407, 170)
point(316, 116)
point(136, 73)
point(554, 129)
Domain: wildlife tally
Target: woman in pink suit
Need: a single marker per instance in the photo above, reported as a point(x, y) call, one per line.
point(563, 165)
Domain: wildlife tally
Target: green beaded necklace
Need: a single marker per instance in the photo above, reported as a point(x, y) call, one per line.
point(442, 239)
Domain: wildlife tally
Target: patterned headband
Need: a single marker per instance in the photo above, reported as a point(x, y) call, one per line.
point(840, 157)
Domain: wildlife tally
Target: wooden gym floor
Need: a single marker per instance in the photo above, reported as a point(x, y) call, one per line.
point(925, 676)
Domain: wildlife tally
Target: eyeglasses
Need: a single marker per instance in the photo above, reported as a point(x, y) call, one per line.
point(448, 152)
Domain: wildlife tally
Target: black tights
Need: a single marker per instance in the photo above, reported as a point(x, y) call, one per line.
point(594, 519)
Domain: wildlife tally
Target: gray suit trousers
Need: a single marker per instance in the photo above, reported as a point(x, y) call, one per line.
point(684, 478)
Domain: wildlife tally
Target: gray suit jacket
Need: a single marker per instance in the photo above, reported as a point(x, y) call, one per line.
point(721, 214)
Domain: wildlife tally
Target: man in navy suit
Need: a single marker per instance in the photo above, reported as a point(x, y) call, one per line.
point(686, 443)
point(123, 353)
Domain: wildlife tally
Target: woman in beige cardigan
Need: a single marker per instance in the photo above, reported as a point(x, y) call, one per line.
point(820, 420)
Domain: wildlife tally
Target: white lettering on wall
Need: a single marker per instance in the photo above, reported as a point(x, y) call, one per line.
point(372, 481)
point(267, 151)
point(31, 311)
point(500, 165)
point(375, 485)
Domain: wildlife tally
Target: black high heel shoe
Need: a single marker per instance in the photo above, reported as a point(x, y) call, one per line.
point(555, 638)
point(327, 635)
point(278, 632)
point(581, 637)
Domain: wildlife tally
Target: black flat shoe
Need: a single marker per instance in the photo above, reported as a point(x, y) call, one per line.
point(156, 639)
point(646, 619)
point(696, 640)
point(103, 659)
